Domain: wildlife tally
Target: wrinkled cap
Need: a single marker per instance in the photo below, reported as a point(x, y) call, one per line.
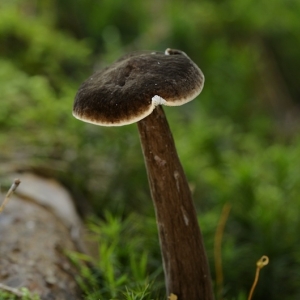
point(129, 89)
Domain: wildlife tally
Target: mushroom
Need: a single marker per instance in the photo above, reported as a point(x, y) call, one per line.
point(132, 90)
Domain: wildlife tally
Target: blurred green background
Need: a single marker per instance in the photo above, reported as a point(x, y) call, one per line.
point(238, 141)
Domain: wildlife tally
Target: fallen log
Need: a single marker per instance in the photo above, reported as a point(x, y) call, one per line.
point(36, 226)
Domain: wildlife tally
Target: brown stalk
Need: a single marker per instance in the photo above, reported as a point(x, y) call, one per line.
point(185, 263)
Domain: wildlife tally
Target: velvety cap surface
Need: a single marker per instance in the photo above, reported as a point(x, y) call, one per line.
point(122, 93)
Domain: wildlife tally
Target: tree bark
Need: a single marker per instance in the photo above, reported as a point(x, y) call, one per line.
point(184, 259)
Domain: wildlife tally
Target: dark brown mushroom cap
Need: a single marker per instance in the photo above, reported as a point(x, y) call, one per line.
point(129, 89)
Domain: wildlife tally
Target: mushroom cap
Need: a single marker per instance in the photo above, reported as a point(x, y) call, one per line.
point(129, 89)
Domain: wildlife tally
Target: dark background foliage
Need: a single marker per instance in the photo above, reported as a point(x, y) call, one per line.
point(238, 141)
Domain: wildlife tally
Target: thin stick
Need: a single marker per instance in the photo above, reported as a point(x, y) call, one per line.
point(9, 193)
point(218, 248)
point(11, 290)
point(263, 261)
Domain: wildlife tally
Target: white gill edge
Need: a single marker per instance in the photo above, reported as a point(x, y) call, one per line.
point(119, 123)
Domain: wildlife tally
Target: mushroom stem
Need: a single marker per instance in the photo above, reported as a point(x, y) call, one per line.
point(185, 263)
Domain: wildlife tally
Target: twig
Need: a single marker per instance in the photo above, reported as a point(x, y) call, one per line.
point(11, 290)
point(263, 261)
point(9, 193)
point(218, 248)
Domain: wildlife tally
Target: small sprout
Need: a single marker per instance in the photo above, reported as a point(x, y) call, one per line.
point(263, 261)
point(172, 297)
